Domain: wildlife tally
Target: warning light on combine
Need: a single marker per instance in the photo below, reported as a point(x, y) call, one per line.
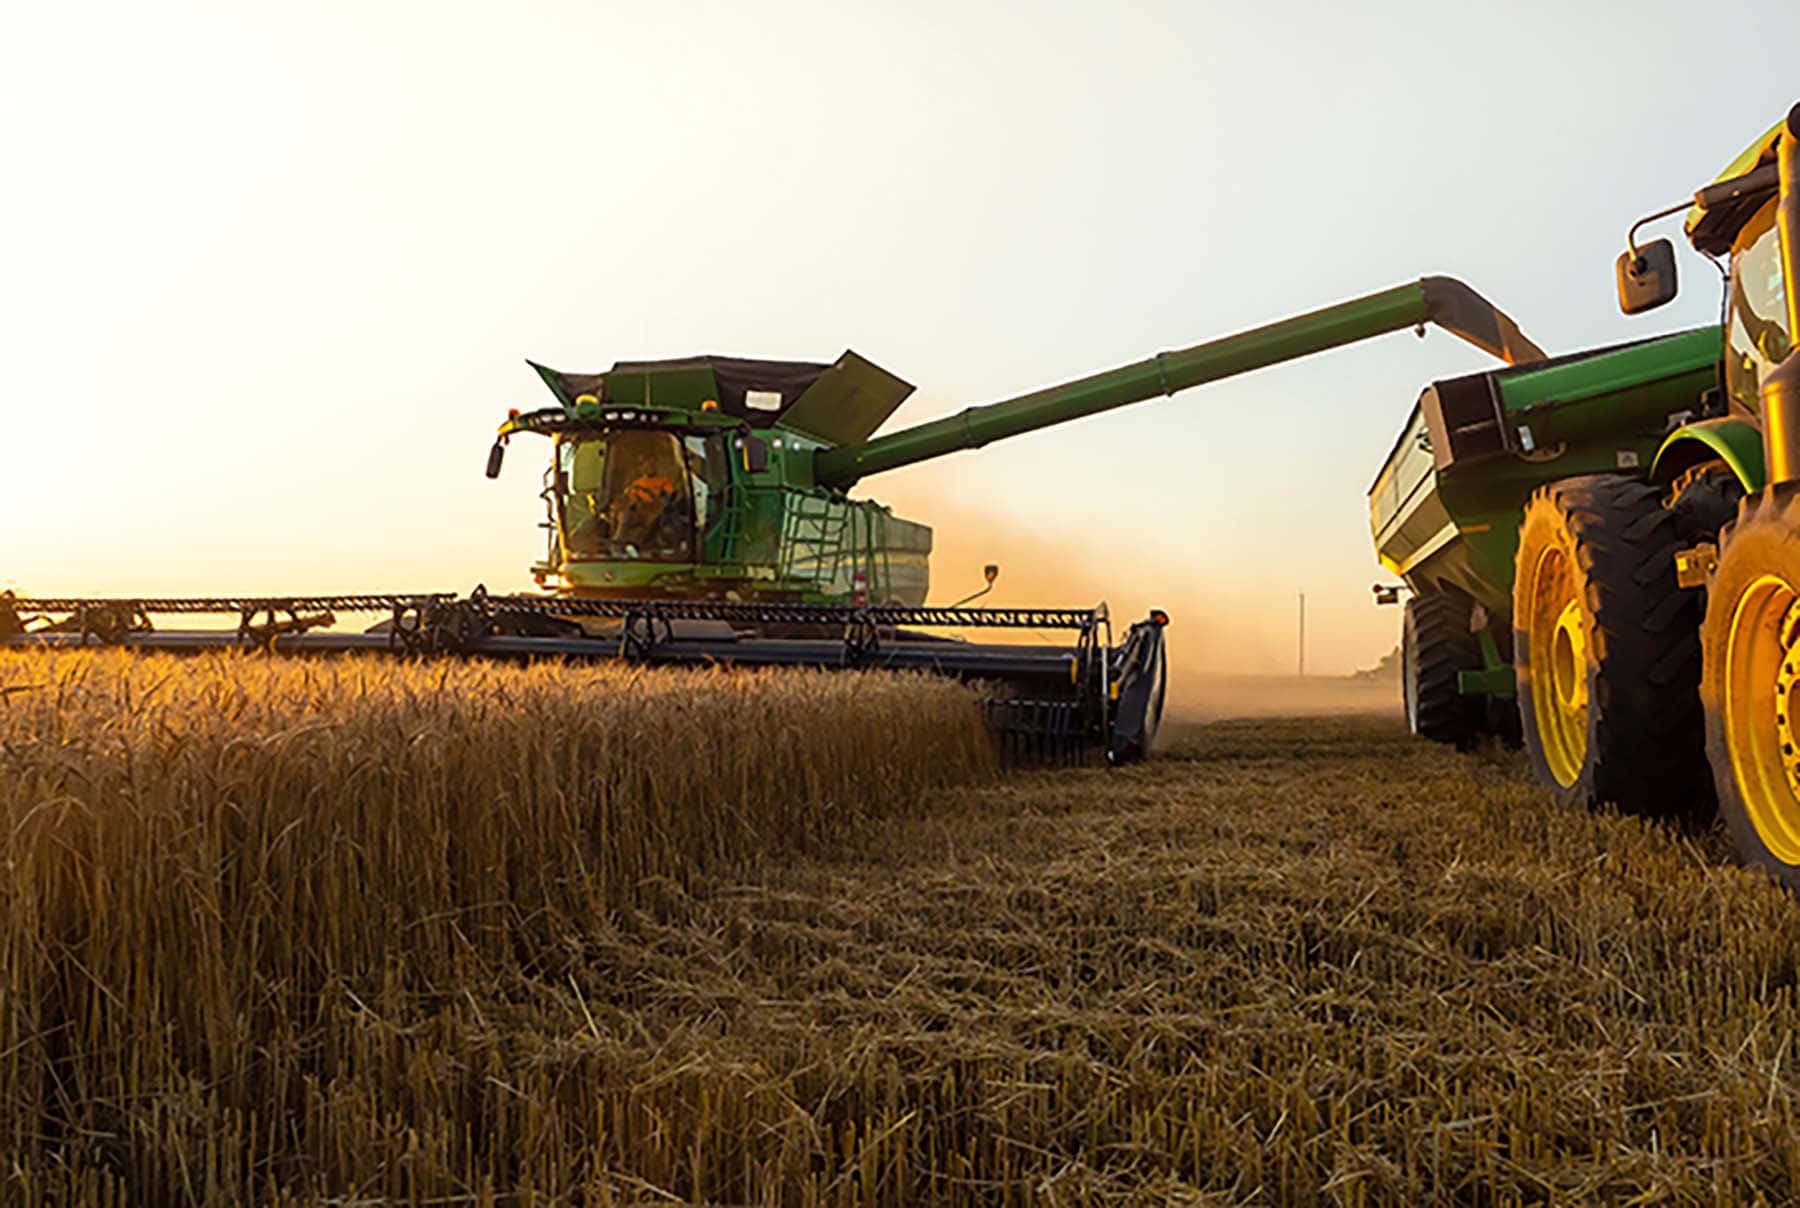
point(990, 572)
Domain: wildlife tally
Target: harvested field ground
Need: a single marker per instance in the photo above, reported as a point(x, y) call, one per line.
point(1224, 697)
point(1288, 961)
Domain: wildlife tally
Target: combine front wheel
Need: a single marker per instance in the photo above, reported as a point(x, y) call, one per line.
point(1436, 646)
point(1751, 640)
point(1607, 650)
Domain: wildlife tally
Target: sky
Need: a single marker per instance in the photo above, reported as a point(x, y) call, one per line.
point(271, 271)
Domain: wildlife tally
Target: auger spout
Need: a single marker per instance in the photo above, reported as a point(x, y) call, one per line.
point(1444, 301)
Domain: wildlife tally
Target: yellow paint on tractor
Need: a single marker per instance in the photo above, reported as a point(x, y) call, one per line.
point(1762, 675)
point(1556, 639)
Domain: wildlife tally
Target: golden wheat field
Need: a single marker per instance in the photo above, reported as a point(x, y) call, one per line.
point(350, 932)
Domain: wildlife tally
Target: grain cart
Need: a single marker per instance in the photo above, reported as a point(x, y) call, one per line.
point(699, 512)
point(1446, 508)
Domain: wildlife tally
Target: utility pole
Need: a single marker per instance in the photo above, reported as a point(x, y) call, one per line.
point(1302, 635)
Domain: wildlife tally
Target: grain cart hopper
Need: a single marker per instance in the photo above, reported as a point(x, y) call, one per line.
point(699, 513)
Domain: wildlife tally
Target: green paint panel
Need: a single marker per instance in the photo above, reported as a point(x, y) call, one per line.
point(1731, 439)
point(847, 403)
point(685, 388)
point(1490, 681)
point(1476, 447)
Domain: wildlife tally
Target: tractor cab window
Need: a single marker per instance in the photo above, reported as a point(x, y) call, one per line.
point(1756, 332)
point(628, 494)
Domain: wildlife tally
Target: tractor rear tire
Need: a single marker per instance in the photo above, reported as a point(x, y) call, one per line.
point(1607, 650)
point(1436, 645)
point(1751, 690)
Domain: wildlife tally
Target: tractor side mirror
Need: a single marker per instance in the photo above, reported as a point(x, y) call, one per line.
point(1646, 277)
point(756, 453)
point(496, 455)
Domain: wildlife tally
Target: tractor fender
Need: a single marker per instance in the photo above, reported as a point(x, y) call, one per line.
point(1731, 439)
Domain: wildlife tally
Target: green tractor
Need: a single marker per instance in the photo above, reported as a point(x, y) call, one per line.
point(1560, 528)
point(1749, 567)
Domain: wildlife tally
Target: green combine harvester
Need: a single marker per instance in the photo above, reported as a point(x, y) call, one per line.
point(699, 513)
point(1603, 550)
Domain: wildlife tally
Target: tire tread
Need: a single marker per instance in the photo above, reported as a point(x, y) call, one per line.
point(1645, 730)
point(1438, 626)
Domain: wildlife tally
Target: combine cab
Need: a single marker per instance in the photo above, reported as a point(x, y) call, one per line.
point(693, 480)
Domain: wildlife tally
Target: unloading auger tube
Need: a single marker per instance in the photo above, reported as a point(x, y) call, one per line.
point(1054, 702)
point(1443, 301)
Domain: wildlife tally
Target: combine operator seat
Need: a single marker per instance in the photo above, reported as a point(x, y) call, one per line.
point(635, 493)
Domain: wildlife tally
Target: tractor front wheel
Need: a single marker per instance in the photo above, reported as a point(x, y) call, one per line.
point(1606, 646)
point(1751, 641)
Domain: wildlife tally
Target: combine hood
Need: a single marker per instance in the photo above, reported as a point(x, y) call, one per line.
point(837, 403)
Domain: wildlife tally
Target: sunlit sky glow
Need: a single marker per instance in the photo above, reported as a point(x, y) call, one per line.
point(271, 271)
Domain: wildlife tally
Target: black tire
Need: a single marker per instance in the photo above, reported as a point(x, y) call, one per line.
point(1750, 683)
point(1704, 500)
point(1436, 645)
point(1609, 698)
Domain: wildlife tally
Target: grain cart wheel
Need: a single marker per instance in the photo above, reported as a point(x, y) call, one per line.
point(1751, 640)
point(1704, 499)
point(1436, 645)
point(1606, 646)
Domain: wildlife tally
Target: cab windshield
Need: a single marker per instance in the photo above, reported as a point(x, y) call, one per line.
point(632, 494)
point(1756, 332)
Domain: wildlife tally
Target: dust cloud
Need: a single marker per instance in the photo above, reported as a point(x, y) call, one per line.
point(1203, 698)
point(1227, 657)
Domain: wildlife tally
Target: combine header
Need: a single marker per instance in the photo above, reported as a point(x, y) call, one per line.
point(1061, 700)
point(699, 514)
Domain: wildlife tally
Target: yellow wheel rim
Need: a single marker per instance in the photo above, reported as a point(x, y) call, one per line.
point(1762, 690)
point(1556, 638)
